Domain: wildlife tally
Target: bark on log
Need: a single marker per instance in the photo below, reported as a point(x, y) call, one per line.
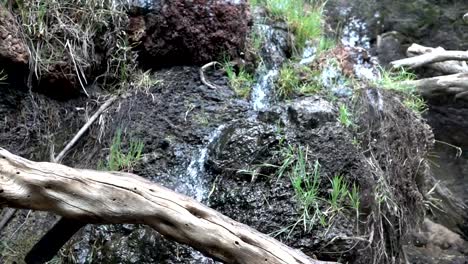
point(113, 197)
point(429, 57)
point(455, 84)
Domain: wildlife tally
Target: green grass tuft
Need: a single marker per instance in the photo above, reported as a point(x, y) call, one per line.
point(304, 18)
point(241, 82)
point(344, 116)
point(339, 192)
point(400, 80)
point(123, 161)
point(288, 82)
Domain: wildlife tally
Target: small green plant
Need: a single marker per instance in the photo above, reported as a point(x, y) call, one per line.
point(310, 89)
point(339, 192)
point(305, 180)
point(354, 199)
point(344, 116)
point(325, 44)
point(400, 80)
point(306, 187)
point(123, 161)
point(416, 103)
point(288, 81)
point(241, 81)
point(396, 80)
point(304, 18)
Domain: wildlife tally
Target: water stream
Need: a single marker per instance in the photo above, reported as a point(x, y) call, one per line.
point(196, 182)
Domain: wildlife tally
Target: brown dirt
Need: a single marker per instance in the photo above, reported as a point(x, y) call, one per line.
point(181, 31)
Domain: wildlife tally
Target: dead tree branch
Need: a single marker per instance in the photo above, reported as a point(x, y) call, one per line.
point(429, 56)
point(84, 128)
point(113, 197)
point(202, 74)
point(454, 84)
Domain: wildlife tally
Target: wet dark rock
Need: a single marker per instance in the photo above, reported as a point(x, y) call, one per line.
point(310, 112)
point(181, 31)
point(389, 47)
point(303, 112)
point(427, 22)
point(241, 144)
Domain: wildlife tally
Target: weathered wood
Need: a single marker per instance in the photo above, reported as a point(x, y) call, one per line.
point(113, 197)
point(454, 84)
point(446, 67)
point(429, 57)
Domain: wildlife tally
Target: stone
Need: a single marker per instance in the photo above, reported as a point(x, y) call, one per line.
point(13, 48)
point(310, 112)
point(182, 31)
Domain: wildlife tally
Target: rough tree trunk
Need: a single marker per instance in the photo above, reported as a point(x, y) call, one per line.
point(112, 198)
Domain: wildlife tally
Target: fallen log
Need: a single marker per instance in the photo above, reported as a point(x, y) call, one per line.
point(115, 197)
point(429, 56)
point(446, 67)
point(454, 84)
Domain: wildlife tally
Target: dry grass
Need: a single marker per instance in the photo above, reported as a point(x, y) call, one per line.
point(77, 37)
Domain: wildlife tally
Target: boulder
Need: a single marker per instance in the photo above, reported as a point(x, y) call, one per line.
point(183, 31)
point(12, 46)
point(14, 54)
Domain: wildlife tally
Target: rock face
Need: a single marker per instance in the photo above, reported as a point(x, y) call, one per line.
point(14, 55)
point(12, 46)
point(183, 31)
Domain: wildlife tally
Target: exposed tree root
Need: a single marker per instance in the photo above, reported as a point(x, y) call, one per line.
point(84, 129)
point(202, 74)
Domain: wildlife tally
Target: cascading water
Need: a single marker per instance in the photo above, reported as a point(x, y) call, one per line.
point(195, 184)
point(195, 180)
point(273, 54)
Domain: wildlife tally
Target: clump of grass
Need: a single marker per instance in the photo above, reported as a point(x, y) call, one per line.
point(241, 81)
point(120, 160)
point(396, 80)
point(288, 81)
point(64, 35)
point(305, 180)
point(304, 18)
point(400, 80)
point(325, 44)
point(144, 80)
point(339, 192)
point(354, 199)
point(344, 116)
point(415, 103)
